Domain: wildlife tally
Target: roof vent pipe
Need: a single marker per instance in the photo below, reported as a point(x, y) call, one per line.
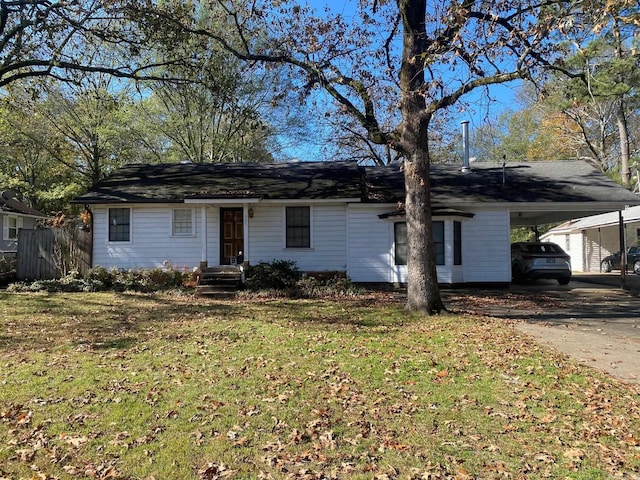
point(465, 147)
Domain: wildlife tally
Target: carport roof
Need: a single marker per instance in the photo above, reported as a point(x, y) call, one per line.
point(536, 193)
point(546, 192)
point(631, 214)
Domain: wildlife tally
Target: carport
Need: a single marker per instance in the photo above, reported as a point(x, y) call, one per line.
point(582, 194)
point(535, 193)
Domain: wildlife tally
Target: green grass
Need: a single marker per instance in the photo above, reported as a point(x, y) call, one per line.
point(139, 387)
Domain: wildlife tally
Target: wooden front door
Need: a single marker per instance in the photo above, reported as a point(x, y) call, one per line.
point(231, 234)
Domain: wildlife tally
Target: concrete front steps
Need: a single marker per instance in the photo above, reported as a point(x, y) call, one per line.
point(221, 281)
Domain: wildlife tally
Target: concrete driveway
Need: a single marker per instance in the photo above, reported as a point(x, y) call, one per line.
point(592, 320)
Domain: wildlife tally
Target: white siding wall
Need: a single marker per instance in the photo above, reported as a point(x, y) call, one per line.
point(151, 241)
point(594, 251)
point(485, 248)
point(328, 237)
point(486, 251)
point(600, 244)
point(579, 248)
point(574, 246)
point(371, 245)
point(12, 245)
point(361, 244)
point(590, 246)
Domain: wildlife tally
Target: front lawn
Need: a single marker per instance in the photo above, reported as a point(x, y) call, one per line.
point(133, 386)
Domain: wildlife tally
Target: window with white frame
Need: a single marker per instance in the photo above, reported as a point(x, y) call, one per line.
point(182, 222)
point(11, 224)
point(400, 242)
point(119, 224)
point(298, 221)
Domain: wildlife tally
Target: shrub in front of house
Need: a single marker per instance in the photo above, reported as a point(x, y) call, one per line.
point(283, 278)
point(279, 278)
point(72, 282)
point(336, 286)
point(7, 269)
point(275, 275)
point(101, 276)
point(100, 279)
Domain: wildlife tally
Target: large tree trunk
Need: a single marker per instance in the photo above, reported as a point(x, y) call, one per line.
point(423, 294)
point(623, 134)
point(621, 118)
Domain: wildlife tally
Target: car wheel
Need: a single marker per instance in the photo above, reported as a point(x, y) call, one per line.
point(636, 267)
point(564, 281)
point(605, 266)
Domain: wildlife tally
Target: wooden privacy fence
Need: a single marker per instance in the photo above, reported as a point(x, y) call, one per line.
point(48, 253)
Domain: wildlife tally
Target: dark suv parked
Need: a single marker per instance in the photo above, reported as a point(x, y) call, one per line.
point(612, 262)
point(534, 260)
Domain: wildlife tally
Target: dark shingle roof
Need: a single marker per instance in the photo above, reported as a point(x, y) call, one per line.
point(175, 182)
point(11, 205)
point(536, 182)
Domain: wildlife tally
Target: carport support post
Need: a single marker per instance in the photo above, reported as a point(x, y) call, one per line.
point(623, 253)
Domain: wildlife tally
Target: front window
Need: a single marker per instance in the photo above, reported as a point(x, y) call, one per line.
point(400, 236)
point(438, 240)
point(400, 239)
point(11, 226)
point(119, 224)
point(182, 222)
point(298, 227)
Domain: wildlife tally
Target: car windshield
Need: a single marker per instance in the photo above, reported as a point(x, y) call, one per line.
point(543, 248)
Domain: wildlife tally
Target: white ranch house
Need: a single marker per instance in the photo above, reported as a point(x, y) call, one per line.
point(333, 216)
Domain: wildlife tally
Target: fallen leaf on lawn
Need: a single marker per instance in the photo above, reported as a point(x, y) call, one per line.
point(24, 418)
point(326, 440)
point(213, 471)
point(26, 454)
point(548, 418)
point(462, 474)
point(574, 454)
point(499, 468)
point(241, 442)
point(70, 469)
point(75, 441)
point(102, 471)
point(545, 458)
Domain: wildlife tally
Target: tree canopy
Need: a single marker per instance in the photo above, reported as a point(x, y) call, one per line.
point(41, 38)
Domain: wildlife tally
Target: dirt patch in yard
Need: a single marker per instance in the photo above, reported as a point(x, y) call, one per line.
point(596, 325)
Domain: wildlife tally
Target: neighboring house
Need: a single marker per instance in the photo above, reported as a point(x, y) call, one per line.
point(14, 215)
point(589, 240)
point(333, 216)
